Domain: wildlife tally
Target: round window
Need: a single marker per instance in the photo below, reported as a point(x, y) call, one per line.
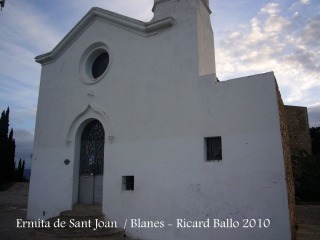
point(95, 63)
point(100, 65)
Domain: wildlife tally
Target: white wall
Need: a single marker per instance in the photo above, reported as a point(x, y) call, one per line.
point(158, 108)
point(174, 181)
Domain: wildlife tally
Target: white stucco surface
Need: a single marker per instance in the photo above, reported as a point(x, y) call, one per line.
point(157, 103)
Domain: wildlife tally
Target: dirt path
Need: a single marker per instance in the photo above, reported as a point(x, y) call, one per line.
point(13, 206)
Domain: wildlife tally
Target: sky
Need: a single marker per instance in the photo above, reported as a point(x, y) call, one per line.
point(251, 37)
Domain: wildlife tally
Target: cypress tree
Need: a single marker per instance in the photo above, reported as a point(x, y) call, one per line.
point(11, 155)
point(20, 171)
point(7, 149)
point(4, 125)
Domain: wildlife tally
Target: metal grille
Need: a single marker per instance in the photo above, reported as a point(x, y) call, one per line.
point(214, 149)
point(92, 149)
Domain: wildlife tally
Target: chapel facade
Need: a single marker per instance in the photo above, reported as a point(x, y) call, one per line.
point(131, 117)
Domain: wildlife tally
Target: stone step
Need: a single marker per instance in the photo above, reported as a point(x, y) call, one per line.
point(82, 213)
point(79, 207)
point(77, 233)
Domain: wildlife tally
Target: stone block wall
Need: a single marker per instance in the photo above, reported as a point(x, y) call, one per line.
point(287, 161)
point(298, 127)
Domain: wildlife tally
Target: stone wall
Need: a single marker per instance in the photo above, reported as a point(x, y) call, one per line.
point(298, 127)
point(287, 161)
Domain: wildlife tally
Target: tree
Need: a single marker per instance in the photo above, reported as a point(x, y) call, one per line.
point(11, 155)
point(4, 126)
point(7, 149)
point(20, 171)
point(308, 187)
point(307, 170)
point(315, 140)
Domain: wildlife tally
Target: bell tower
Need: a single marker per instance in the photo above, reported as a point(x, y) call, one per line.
point(193, 25)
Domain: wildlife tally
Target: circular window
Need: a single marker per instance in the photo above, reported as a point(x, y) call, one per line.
point(100, 65)
point(95, 63)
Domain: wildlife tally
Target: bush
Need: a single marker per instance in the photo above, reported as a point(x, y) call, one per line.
point(307, 182)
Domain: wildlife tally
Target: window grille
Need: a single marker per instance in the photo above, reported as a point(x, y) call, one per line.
point(92, 149)
point(213, 148)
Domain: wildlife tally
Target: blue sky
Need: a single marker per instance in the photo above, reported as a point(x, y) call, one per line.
point(250, 37)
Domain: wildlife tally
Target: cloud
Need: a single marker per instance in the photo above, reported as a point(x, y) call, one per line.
point(30, 28)
point(25, 32)
point(314, 116)
point(139, 9)
point(23, 135)
point(24, 145)
point(273, 42)
point(305, 1)
point(271, 8)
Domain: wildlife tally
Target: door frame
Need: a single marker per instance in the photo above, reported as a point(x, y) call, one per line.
point(93, 176)
point(73, 140)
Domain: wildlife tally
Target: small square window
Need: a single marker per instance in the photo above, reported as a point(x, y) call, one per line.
point(213, 149)
point(128, 183)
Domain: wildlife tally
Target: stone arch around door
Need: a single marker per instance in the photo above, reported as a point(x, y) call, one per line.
point(73, 141)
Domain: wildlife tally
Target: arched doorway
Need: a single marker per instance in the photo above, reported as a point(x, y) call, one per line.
point(91, 163)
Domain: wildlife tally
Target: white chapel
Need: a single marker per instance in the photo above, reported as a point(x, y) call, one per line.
point(131, 117)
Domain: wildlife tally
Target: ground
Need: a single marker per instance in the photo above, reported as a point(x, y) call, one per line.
point(308, 221)
point(13, 206)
